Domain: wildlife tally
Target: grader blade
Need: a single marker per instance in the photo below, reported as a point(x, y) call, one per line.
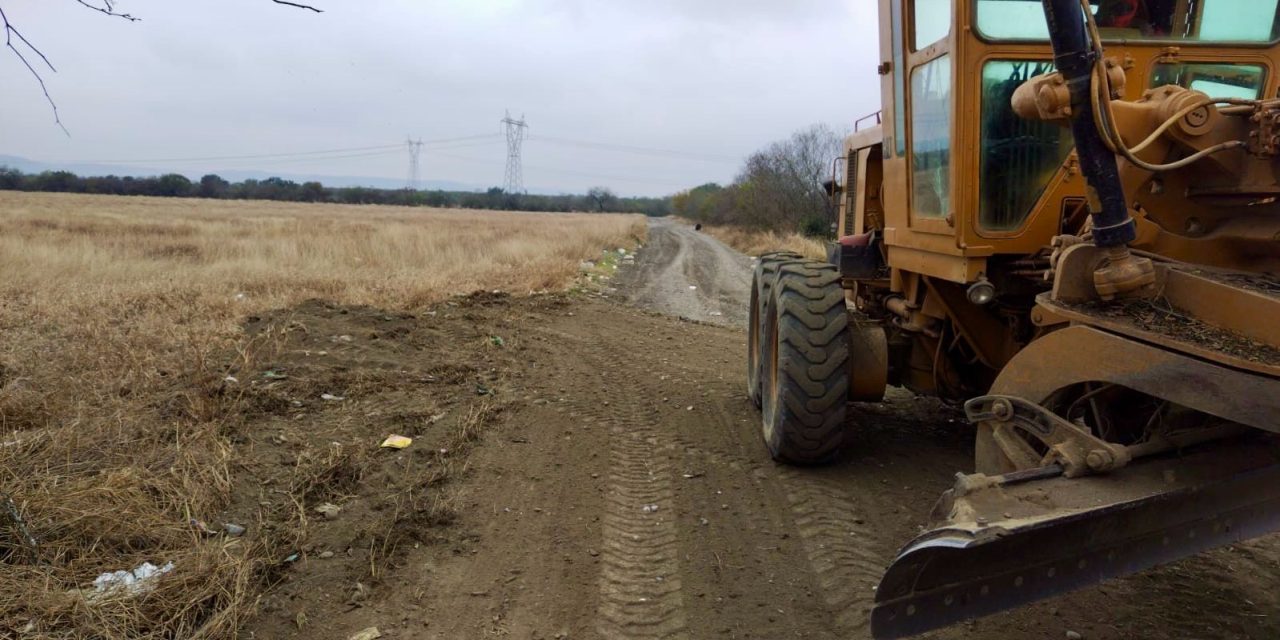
point(1006, 541)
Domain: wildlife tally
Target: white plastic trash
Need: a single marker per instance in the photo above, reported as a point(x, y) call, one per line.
point(132, 582)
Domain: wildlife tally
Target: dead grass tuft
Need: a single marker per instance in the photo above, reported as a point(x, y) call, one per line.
point(327, 476)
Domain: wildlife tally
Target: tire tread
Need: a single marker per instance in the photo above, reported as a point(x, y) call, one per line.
point(806, 425)
point(762, 278)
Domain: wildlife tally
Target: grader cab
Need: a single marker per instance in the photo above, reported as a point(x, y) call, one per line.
point(1066, 215)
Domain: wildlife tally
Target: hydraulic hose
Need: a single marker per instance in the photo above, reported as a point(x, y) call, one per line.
point(1075, 58)
point(1104, 117)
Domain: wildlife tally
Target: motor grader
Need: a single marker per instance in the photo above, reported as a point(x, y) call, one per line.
point(1067, 216)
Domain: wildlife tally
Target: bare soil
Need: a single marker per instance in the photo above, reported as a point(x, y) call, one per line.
point(603, 477)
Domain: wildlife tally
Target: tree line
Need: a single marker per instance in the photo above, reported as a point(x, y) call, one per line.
point(781, 187)
point(173, 185)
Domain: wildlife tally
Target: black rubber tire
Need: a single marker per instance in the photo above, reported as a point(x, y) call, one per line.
point(761, 281)
point(805, 364)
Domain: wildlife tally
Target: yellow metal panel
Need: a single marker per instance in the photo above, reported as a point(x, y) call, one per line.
point(865, 138)
point(958, 269)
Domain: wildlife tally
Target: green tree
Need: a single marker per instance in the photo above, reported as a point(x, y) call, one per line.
point(57, 181)
point(314, 192)
point(10, 178)
point(213, 186)
point(173, 185)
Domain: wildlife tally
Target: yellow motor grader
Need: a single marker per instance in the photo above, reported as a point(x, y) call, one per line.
point(1067, 215)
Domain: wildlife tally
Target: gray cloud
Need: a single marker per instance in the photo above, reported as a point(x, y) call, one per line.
point(197, 79)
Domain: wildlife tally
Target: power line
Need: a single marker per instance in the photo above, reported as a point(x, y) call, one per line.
point(469, 145)
point(485, 136)
point(603, 176)
point(513, 181)
point(257, 156)
point(397, 150)
point(646, 151)
point(254, 156)
point(600, 176)
point(515, 133)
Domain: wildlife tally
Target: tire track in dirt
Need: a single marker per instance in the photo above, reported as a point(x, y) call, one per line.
point(640, 581)
point(837, 543)
point(839, 534)
point(640, 584)
point(842, 549)
point(838, 539)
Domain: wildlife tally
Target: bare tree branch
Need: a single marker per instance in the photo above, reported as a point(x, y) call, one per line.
point(108, 9)
point(300, 6)
point(10, 32)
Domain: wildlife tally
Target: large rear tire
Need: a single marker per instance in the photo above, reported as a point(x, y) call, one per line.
point(805, 364)
point(762, 278)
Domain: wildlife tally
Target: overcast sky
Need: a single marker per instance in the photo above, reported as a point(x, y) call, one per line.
point(710, 79)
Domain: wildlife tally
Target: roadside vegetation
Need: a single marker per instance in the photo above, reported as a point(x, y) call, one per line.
point(779, 189)
point(122, 405)
point(755, 242)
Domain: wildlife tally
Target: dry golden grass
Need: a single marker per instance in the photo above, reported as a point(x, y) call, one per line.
point(114, 312)
point(754, 242)
point(62, 246)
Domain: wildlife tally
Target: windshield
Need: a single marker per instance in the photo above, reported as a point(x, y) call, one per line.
point(1209, 21)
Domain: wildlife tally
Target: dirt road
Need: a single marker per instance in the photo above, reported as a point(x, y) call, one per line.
point(687, 274)
point(624, 493)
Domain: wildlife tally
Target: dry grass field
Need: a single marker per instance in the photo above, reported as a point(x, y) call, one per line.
point(754, 243)
point(123, 333)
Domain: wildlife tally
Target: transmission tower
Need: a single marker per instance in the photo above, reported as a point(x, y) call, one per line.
point(415, 156)
point(516, 131)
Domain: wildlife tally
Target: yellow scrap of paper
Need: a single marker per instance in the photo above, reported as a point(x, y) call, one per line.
point(396, 442)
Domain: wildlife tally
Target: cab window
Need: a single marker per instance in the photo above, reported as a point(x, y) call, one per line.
point(932, 21)
point(931, 138)
point(1018, 157)
point(1210, 21)
point(1217, 79)
point(899, 81)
